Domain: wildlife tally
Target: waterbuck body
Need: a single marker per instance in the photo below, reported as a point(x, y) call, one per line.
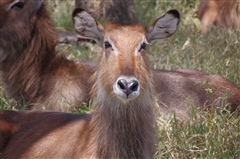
point(122, 123)
point(32, 71)
point(181, 91)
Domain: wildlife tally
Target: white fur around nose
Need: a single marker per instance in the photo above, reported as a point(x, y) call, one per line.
point(119, 92)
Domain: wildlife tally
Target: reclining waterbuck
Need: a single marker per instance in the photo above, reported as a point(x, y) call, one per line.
point(180, 91)
point(32, 71)
point(122, 121)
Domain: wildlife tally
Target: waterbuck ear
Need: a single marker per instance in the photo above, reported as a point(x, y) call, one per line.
point(164, 26)
point(87, 26)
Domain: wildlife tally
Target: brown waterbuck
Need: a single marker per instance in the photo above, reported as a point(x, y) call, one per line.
point(180, 91)
point(122, 121)
point(32, 71)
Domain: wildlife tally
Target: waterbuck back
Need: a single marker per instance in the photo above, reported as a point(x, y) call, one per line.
point(122, 121)
point(32, 71)
point(181, 91)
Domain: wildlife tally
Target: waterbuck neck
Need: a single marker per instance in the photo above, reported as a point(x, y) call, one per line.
point(122, 130)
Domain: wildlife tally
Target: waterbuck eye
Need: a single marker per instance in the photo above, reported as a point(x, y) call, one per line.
point(107, 45)
point(143, 46)
point(19, 5)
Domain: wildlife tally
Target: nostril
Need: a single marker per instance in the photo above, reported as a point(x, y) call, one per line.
point(133, 86)
point(122, 84)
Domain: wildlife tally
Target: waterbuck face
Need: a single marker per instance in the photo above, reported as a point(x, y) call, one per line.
point(124, 68)
point(124, 62)
point(16, 22)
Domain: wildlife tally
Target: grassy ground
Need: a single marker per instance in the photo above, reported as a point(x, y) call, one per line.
point(207, 135)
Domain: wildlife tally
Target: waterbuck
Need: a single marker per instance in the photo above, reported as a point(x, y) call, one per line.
point(181, 90)
point(122, 121)
point(32, 71)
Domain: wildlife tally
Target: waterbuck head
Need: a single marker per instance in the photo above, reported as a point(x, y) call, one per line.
point(17, 19)
point(124, 70)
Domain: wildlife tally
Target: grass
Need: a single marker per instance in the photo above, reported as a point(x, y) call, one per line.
point(208, 134)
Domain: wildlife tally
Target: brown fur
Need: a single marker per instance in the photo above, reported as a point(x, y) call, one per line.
point(33, 73)
point(180, 90)
point(117, 128)
point(219, 13)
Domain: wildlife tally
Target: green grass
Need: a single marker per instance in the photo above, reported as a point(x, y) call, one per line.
point(208, 135)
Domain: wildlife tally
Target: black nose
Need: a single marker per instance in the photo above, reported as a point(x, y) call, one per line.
point(128, 87)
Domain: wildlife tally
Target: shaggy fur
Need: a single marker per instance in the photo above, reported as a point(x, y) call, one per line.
point(33, 73)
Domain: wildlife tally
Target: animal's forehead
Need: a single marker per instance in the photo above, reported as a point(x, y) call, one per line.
point(133, 33)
